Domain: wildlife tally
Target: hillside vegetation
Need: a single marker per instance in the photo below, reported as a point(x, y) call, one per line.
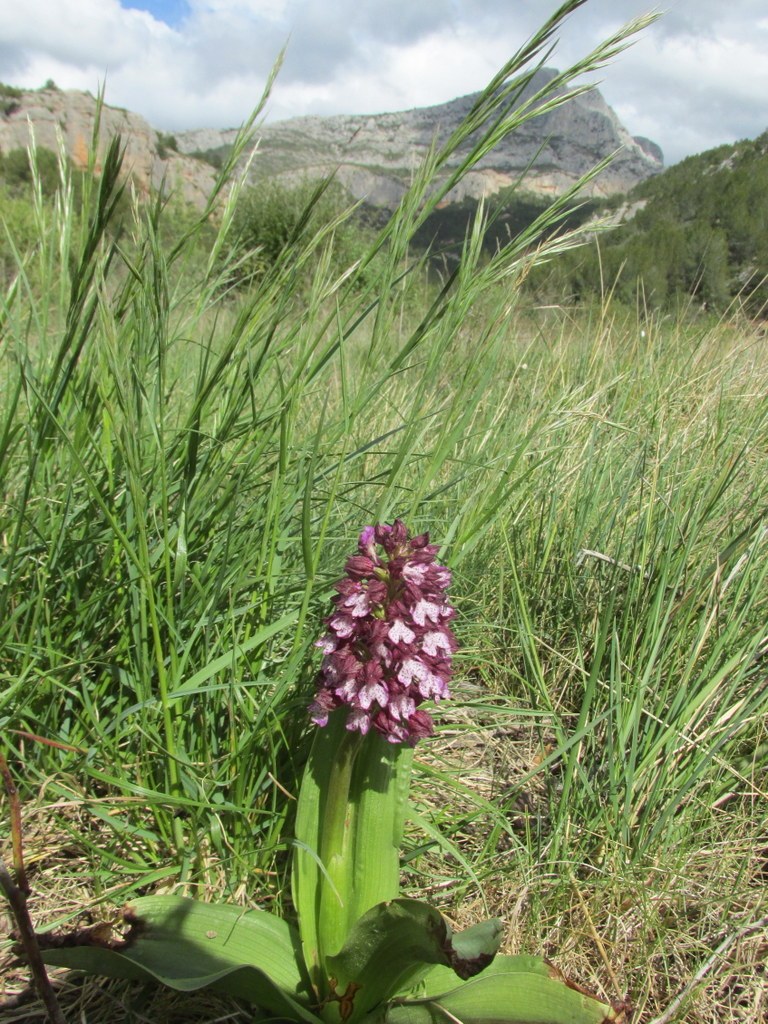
point(698, 233)
point(694, 236)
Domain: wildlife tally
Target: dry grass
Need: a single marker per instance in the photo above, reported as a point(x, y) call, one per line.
point(65, 894)
point(694, 923)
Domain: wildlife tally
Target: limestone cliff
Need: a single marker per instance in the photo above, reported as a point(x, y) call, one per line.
point(373, 156)
point(70, 115)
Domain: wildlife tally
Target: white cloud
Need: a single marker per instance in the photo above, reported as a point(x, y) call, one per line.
point(83, 33)
point(705, 90)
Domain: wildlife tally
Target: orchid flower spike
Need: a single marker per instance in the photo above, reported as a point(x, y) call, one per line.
point(389, 643)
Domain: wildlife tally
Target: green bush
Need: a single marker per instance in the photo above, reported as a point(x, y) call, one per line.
point(19, 232)
point(215, 157)
point(273, 219)
point(166, 143)
point(9, 97)
point(16, 170)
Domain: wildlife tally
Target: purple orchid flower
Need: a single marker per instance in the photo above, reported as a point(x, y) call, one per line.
point(389, 644)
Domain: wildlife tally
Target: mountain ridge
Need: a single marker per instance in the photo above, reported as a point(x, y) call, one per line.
point(373, 156)
point(69, 115)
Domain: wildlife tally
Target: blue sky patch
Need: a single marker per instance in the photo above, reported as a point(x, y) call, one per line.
point(172, 12)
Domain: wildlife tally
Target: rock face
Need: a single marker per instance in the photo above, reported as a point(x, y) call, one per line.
point(374, 156)
point(51, 113)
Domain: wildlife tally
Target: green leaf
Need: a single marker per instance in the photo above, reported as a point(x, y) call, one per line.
point(349, 825)
point(513, 990)
point(439, 979)
point(379, 795)
point(392, 946)
point(188, 945)
point(226, 661)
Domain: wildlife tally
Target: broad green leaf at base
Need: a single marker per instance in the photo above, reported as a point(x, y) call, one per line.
point(188, 945)
point(512, 990)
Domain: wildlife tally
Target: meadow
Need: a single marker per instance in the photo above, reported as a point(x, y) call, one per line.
point(185, 463)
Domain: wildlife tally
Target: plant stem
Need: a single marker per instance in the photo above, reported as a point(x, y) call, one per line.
point(18, 904)
point(335, 894)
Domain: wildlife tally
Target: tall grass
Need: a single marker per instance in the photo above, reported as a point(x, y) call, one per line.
point(183, 467)
point(630, 582)
point(612, 777)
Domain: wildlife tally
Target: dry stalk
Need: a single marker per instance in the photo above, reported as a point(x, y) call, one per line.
point(16, 892)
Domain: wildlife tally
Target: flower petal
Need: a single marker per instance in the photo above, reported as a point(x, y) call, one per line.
point(399, 633)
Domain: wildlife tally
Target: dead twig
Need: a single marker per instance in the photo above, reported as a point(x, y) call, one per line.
point(16, 892)
point(15, 806)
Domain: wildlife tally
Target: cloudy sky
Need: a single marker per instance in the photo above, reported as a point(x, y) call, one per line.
point(697, 78)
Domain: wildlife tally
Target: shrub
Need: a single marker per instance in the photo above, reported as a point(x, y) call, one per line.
point(16, 171)
point(166, 143)
point(215, 157)
point(273, 219)
point(9, 97)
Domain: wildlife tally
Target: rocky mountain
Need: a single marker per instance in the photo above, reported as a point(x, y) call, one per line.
point(52, 114)
point(374, 156)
